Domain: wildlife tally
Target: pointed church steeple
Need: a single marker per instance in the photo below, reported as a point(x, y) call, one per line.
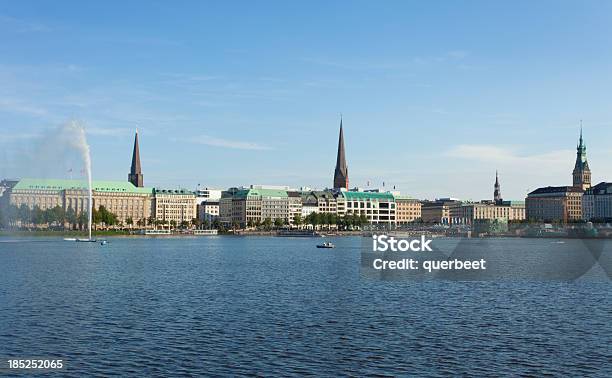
point(135, 176)
point(581, 176)
point(341, 172)
point(497, 190)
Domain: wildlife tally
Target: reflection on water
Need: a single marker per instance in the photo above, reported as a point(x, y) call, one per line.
point(231, 305)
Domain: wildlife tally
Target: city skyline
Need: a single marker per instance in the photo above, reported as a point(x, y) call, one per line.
point(429, 104)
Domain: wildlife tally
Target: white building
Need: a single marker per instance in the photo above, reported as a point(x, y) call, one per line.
point(379, 208)
point(597, 202)
point(206, 194)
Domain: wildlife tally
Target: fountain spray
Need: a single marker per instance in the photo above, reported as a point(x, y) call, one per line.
point(80, 143)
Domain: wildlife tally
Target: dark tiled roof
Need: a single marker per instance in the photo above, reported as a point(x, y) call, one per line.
point(601, 188)
point(555, 189)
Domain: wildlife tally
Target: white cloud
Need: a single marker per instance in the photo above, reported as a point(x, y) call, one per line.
point(509, 155)
point(22, 26)
point(457, 54)
point(108, 131)
point(5, 137)
point(224, 143)
point(14, 106)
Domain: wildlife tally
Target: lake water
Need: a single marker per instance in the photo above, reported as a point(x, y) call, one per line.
point(279, 306)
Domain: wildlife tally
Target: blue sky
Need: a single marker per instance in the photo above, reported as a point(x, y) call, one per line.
point(435, 96)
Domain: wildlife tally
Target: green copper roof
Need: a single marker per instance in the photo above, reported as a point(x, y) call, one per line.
point(98, 186)
point(405, 198)
point(269, 193)
point(355, 196)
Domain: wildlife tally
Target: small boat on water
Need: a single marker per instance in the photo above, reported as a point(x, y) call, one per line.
point(103, 242)
point(326, 245)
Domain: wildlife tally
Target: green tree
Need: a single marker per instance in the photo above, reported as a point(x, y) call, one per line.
point(184, 224)
point(297, 220)
point(235, 224)
point(24, 214)
point(196, 222)
point(129, 221)
point(82, 219)
point(37, 216)
point(173, 224)
point(279, 222)
point(363, 220)
point(267, 223)
point(71, 217)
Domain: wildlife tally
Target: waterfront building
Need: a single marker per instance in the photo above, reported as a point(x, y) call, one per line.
point(507, 210)
point(207, 201)
point(176, 206)
point(295, 205)
point(326, 201)
point(121, 198)
point(253, 205)
point(597, 202)
point(442, 211)
point(555, 203)
point(407, 210)
point(563, 203)
point(225, 207)
point(581, 174)
point(310, 203)
point(208, 211)
point(135, 175)
point(379, 208)
point(205, 194)
point(341, 180)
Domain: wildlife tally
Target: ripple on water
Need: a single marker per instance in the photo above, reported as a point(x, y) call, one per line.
point(270, 306)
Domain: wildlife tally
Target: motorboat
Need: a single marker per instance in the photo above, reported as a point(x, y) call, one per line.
point(326, 245)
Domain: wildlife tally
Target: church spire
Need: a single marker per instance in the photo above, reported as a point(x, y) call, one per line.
point(135, 176)
point(341, 172)
point(497, 190)
point(581, 176)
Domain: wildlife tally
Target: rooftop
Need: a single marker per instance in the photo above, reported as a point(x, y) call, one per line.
point(367, 196)
point(268, 193)
point(601, 188)
point(98, 186)
point(555, 189)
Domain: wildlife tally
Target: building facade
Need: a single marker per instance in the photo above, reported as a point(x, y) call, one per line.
point(507, 210)
point(295, 205)
point(408, 210)
point(174, 206)
point(121, 198)
point(554, 204)
point(597, 203)
point(379, 208)
point(442, 211)
point(208, 211)
point(253, 205)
